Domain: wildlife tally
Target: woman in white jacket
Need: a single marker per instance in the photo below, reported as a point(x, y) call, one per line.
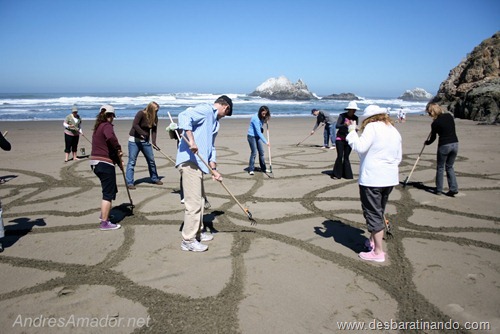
point(380, 151)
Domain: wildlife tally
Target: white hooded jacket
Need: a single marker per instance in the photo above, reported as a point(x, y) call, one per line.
point(380, 151)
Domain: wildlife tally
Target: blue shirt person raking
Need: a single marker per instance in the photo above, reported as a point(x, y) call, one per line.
point(200, 125)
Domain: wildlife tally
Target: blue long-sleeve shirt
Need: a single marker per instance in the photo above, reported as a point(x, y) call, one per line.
point(255, 128)
point(202, 121)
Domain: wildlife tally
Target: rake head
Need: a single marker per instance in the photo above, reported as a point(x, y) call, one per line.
point(249, 215)
point(405, 182)
point(388, 228)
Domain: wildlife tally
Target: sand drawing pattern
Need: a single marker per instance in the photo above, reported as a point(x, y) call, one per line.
point(296, 271)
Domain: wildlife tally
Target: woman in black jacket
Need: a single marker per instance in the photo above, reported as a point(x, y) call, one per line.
point(447, 150)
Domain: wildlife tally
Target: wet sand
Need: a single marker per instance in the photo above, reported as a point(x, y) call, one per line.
point(296, 271)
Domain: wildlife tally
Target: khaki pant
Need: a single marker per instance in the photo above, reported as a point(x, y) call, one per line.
point(194, 199)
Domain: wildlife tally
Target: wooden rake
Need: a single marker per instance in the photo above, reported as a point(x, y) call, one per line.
point(271, 175)
point(86, 138)
point(416, 162)
point(131, 206)
point(303, 140)
point(388, 229)
point(166, 156)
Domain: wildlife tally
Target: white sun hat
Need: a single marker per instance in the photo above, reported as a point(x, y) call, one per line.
point(352, 106)
point(372, 110)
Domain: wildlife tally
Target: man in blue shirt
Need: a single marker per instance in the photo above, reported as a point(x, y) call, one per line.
point(200, 125)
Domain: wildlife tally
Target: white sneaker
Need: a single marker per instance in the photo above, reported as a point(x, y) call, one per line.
point(251, 173)
point(332, 147)
point(182, 201)
point(206, 237)
point(193, 246)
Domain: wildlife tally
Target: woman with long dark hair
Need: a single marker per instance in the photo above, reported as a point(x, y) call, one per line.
point(255, 137)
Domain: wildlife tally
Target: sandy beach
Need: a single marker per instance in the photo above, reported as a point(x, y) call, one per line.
point(296, 271)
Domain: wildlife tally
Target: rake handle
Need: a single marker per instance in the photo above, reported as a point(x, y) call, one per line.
point(416, 162)
point(86, 138)
point(222, 183)
point(166, 156)
point(126, 186)
point(269, 148)
point(303, 140)
point(249, 215)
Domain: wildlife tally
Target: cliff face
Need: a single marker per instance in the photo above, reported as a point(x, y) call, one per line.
point(472, 89)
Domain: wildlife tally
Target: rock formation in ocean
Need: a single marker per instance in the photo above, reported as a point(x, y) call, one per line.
point(472, 89)
point(417, 94)
point(342, 97)
point(283, 89)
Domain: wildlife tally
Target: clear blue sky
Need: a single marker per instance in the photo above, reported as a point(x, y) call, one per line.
point(369, 47)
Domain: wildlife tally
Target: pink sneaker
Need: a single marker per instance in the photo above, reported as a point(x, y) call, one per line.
point(108, 226)
point(370, 245)
point(371, 256)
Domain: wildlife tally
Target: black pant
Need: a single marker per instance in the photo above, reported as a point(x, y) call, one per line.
point(71, 143)
point(342, 167)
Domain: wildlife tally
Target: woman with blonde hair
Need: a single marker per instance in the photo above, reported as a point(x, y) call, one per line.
point(447, 150)
point(380, 151)
point(142, 135)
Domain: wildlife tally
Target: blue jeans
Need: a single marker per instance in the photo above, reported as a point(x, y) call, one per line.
point(329, 132)
point(256, 145)
point(133, 151)
point(446, 155)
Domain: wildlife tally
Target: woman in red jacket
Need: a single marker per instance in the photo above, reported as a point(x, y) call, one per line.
point(106, 152)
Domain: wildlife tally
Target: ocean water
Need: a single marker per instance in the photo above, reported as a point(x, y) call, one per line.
point(29, 107)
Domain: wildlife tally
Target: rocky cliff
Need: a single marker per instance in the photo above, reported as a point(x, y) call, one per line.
point(283, 89)
point(472, 89)
point(417, 94)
